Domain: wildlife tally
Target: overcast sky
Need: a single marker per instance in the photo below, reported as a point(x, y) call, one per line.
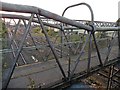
point(104, 10)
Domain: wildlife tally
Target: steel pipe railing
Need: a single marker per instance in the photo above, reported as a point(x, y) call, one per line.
point(40, 12)
point(31, 9)
point(90, 39)
point(12, 16)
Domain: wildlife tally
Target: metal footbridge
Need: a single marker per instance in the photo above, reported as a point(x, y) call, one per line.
point(52, 61)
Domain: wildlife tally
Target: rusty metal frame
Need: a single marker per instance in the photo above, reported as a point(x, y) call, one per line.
point(46, 14)
point(18, 53)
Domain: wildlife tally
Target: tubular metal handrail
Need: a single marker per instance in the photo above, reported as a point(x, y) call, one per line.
point(31, 9)
point(13, 16)
point(46, 14)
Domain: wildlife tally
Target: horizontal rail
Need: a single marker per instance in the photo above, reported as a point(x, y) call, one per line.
point(83, 74)
point(31, 9)
point(44, 45)
point(11, 16)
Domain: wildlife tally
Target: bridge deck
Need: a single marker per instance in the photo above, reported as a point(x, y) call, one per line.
point(48, 72)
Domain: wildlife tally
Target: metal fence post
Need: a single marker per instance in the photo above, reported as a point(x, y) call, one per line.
point(118, 24)
point(111, 70)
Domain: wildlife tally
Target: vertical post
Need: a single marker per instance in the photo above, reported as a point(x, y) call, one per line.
point(16, 28)
point(98, 53)
point(69, 57)
point(118, 24)
point(89, 53)
point(110, 78)
point(118, 44)
point(61, 41)
point(69, 64)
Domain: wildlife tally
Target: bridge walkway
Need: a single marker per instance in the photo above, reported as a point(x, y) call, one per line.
point(44, 73)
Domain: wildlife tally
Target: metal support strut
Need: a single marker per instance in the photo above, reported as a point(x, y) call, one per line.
point(110, 77)
point(50, 44)
point(43, 14)
point(89, 36)
point(18, 53)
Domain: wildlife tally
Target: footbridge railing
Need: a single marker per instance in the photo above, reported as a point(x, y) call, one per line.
point(77, 49)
